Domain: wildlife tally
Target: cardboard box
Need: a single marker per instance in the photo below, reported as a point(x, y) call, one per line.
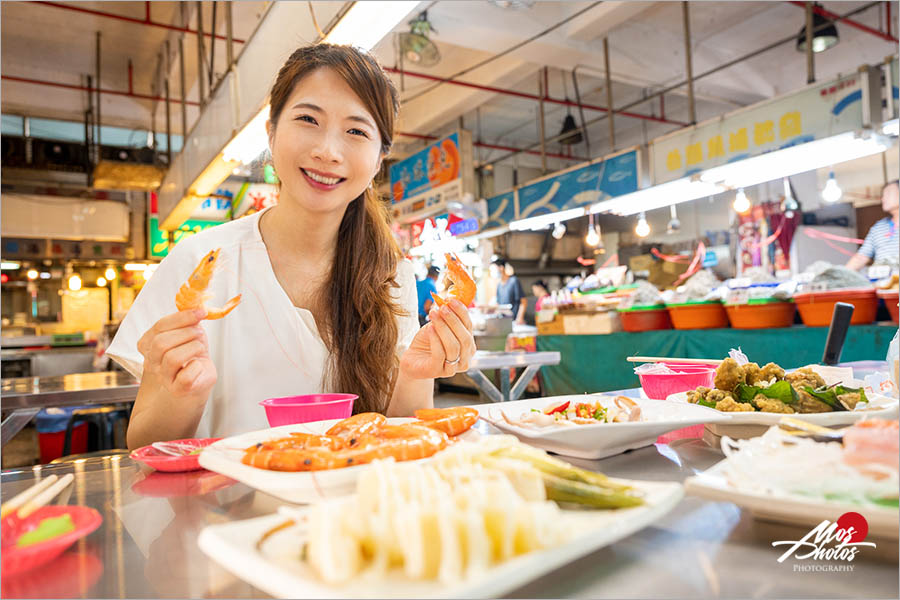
point(598, 323)
point(554, 327)
point(641, 262)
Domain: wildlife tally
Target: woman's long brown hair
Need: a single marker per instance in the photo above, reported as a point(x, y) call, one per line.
point(360, 330)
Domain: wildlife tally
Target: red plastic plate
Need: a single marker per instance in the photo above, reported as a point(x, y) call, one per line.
point(161, 461)
point(17, 560)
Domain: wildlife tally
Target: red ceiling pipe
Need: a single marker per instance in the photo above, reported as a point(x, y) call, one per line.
point(535, 97)
point(420, 136)
point(98, 13)
point(836, 17)
point(82, 88)
point(147, 12)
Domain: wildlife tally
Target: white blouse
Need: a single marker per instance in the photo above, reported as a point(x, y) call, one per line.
point(264, 348)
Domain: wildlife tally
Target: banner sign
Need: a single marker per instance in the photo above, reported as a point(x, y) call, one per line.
point(581, 186)
point(28, 248)
point(501, 210)
point(817, 111)
point(440, 228)
point(426, 170)
point(159, 239)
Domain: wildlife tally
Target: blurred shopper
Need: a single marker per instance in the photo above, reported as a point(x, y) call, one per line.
point(540, 291)
point(424, 288)
point(509, 290)
point(881, 243)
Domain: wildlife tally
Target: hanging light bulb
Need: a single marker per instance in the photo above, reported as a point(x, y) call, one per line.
point(559, 230)
point(674, 224)
point(593, 237)
point(110, 274)
point(75, 283)
point(832, 192)
point(741, 203)
point(32, 274)
point(101, 282)
point(643, 227)
point(790, 203)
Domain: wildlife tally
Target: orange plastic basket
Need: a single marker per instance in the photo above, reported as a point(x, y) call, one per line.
point(709, 314)
point(890, 298)
point(761, 313)
point(816, 308)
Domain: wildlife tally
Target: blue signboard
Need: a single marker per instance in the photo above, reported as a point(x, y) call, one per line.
point(594, 183)
point(427, 169)
point(501, 210)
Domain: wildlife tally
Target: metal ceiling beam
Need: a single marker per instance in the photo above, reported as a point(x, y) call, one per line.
point(527, 96)
point(420, 136)
point(145, 21)
point(82, 88)
point(836, 17)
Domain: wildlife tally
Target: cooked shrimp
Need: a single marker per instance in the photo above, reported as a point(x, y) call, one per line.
point(452, 421)
point(193, 293)
point(351, 429)
point(299, 440)
point(400, 442)
point(462, 285)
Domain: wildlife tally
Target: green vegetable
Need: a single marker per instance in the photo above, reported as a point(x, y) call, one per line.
point(707, 403)
point(577, 492)
point(780, 390)
point(829, 395)
point(557, 468)
point(47, 529)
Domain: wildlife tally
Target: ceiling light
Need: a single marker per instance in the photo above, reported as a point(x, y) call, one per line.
point(32, 274)
point(825, 34)
point(541, 221)
point(674, 224)
point(45, 275)
point(559, 230)
point(74, 283)
point(366, 23)
point(658, 196)
point(832, 192)
point(135, 266)
point(574, 132)
point(10, 266)
point(891, 127)
point(101, 282)
point(741, 203)
point(796, 159)
point(592, 238)
point(250, 142)
point(110, 274)
point(642, 229)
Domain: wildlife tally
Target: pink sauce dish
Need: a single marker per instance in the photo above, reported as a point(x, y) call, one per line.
point(308, 408)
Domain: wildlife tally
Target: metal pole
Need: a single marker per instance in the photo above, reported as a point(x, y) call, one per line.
point(212, 48)
point(810, 61)
point(98, 94)
point(692, 109)
point(184, 131)
point(541, 126)
point(229, 51)
point(584, 133)
point(609, 94)
point(168, 107)
point(201, 82)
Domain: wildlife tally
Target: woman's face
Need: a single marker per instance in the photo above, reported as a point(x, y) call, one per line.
point(325, 145)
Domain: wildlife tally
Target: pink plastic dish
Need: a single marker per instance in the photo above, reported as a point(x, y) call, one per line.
point(16, 560)
point(685, 378)
point(161, 461)
point(308, 408)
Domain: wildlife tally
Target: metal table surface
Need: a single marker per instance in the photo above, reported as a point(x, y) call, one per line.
point(147, 544)
point(24, 397)
point(504, 362)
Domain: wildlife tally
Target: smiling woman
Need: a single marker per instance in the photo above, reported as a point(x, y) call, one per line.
point(329, 305)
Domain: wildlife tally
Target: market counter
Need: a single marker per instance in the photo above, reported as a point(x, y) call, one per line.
point(147, 544)
point(596, 363)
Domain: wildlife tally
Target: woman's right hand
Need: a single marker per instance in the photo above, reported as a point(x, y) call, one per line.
point(176, 355)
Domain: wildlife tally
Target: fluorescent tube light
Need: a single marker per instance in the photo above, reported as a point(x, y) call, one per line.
point(658, 196)
point(541, 221)
point(250, 142)
point(10, 266)
point(891, 127)
point(367, 22)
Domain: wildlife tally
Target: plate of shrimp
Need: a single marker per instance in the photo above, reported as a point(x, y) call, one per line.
point(594, 425)
point(308, 462)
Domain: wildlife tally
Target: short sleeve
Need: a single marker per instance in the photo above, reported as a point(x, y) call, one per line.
point(155, 300)
point(868, 247)
point(408, 299)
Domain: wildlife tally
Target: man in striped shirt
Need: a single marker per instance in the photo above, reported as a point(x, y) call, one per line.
point(881, 243)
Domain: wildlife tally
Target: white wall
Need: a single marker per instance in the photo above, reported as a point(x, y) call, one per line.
point(34, 216)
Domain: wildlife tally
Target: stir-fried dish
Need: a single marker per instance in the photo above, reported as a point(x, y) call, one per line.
point(623, 410)
point(751, 388)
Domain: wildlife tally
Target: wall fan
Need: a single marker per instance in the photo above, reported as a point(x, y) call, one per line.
point(415, 45)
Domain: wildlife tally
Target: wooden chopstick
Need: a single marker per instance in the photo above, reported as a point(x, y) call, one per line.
point(27, 495)
point(45, 496)
point(698, 361)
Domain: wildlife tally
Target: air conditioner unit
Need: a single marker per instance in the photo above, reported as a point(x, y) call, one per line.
point(55, 155)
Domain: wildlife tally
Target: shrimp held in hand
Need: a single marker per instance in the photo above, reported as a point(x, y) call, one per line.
point(193, 293)
point(463, 286)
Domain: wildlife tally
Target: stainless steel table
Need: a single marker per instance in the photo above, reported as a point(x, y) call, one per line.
point(505, 361)
point(147, 545)
point(24, 397)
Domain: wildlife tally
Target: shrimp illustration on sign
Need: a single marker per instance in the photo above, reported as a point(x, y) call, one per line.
point(443, 163)
point(462, 285)
point(193, 294)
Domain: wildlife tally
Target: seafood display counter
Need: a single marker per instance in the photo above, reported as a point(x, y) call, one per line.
point(147, 545)
point(585, 358)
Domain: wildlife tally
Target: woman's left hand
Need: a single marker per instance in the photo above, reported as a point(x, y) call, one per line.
point(442, 347)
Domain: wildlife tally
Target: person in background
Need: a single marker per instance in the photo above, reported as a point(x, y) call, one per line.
point(881, 244)
point(540, 291)
point(509, 291)
point(424, 289)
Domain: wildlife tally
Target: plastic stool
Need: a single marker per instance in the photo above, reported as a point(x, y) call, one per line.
point(103, 417)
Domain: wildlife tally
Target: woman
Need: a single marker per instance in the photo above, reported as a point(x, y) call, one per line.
point(539, 291)
point(328, 305)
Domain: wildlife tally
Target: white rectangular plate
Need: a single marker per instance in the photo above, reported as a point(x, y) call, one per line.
point(225, 456)
point(277, 569)
point(713, 484)
point(603, 439)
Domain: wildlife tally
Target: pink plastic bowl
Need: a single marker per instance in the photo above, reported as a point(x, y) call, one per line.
point(686, 378)
point(311, 407)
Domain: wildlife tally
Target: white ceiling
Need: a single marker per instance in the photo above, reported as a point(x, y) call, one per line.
point(45, 42)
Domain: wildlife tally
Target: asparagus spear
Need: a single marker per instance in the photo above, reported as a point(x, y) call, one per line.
point(577, 492)
point(552, 466)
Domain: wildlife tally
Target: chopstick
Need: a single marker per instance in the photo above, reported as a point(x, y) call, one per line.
point(45, 496)
point(698, 361)
point(27, 495)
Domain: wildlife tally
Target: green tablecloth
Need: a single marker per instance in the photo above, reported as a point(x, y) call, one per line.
point(596, 363)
